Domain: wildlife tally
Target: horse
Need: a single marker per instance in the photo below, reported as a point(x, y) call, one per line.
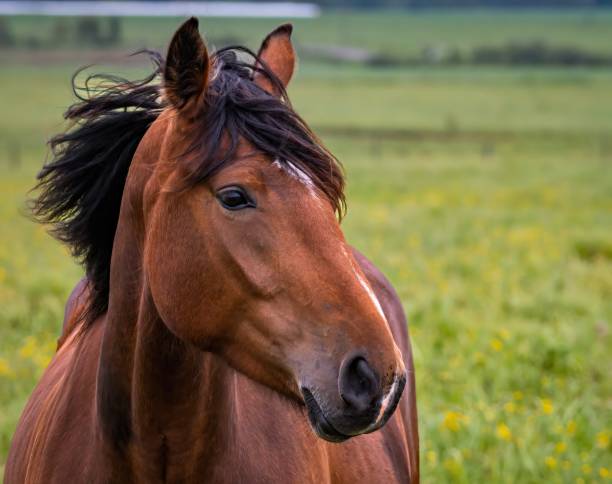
point(224, 331)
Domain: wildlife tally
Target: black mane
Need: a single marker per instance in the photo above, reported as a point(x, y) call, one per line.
point(82, 185)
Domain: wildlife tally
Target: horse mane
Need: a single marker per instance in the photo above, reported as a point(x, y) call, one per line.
point(81, 187)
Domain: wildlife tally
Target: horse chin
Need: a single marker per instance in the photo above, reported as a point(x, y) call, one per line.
point(319, 422)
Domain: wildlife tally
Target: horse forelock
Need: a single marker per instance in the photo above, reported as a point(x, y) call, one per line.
point(238, 109)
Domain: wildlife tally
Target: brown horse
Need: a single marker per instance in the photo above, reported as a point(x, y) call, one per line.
point(226, 332)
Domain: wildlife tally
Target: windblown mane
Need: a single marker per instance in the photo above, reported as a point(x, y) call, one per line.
point(82, 185)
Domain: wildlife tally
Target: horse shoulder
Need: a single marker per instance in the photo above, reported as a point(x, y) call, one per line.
point(396, 317)
point(45, 446)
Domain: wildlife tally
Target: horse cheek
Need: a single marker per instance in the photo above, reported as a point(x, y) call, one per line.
point(176, 275)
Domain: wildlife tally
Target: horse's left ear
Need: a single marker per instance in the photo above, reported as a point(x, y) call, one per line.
point(278, 54)
point(187, 66)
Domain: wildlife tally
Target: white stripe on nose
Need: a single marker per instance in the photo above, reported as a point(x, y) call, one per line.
point(371, 294)
point(387, 399)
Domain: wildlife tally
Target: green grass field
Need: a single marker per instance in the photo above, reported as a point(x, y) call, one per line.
point(486, 197)
point(397, 33)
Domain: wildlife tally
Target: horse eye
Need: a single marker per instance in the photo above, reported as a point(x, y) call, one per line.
point(234, 198)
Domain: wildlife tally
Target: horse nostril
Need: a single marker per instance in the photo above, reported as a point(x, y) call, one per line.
point(358, 384)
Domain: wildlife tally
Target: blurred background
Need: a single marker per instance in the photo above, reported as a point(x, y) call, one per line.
point(476, 137)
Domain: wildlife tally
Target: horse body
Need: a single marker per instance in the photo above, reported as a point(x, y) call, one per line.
point(237, 337)
point(221, 427)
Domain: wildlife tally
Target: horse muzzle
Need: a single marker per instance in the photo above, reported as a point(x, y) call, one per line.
point(362, 406)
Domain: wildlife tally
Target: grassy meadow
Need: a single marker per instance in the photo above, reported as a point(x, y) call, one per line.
point(384, 32)
point(485, 195)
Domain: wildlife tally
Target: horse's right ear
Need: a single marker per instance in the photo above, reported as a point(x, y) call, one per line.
point(187, 67)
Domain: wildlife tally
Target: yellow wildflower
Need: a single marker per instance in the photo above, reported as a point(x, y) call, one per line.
point(453, 421)
point(517, 395)
point(5, 368)
point(42, 360)
point(580, 480)
point(496, 344)
point(504, 432)
point(510, 407)
point(28, 348)
point(452, 466)
point(432, 457)
point(604, 473)
point(603, 440)
point(571, 427)
point(560, 447)
point(550, 462)
point(547, 406)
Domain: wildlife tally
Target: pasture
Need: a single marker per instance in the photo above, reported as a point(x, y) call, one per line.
point(484, 194)
point(384, 32)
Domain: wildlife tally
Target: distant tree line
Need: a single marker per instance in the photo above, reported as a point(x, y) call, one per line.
point(535, 53)
point(424, 4)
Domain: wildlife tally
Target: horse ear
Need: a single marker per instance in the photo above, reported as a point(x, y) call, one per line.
point(187, 66)
point(278, 54)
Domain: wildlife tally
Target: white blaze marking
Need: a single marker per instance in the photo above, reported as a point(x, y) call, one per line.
point(398, 354)
point(367, 287)
point(371, 294)
point(297, 174)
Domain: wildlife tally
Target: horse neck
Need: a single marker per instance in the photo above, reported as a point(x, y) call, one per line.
point(171, 385)
point(154, 393)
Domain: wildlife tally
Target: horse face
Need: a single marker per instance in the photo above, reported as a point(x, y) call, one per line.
point(252, 265)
